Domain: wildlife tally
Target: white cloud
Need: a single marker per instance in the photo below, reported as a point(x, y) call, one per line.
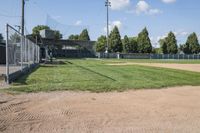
point(154, 11)
point(79, 22)
point(143, 7)
point(113, 24)
point(119, 4)
point(182, 33)
point(168, 1)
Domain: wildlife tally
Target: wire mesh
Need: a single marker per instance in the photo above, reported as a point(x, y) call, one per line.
point(21, 52)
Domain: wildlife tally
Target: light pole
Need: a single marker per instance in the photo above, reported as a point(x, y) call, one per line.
point(22, 23)
point(107, 4)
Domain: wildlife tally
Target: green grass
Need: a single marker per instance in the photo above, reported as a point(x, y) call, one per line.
point(95, 76)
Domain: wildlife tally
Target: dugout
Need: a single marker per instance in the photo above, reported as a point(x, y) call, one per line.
point(2, 53)
point(68, 48)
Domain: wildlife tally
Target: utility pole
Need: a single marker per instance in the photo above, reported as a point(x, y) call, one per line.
point(22, 23)
point(108, 4)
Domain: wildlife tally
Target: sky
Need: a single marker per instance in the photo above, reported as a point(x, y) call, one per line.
point(131, 16)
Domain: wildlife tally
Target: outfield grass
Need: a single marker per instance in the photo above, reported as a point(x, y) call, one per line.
point(95, 76)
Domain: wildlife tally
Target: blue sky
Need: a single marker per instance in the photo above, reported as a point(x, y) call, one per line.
point(131, 16)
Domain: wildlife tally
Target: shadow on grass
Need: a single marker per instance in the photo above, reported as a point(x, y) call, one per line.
point(55, 62)
point(92, 71)
point(22, 80)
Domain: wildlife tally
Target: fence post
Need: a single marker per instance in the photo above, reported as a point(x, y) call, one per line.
point(29, 52)
point(36, 49)
point(25, 47)
point(21, 53)
point(7, 56)
point(38, 54)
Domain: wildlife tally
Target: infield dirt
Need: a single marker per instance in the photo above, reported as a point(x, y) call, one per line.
point(187, 67)
point(167, 110)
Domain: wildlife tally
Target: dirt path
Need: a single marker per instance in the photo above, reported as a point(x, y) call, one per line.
point(173, 110)
point(188, 67)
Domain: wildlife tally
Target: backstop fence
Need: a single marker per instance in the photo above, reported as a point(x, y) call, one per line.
point(21, 54)
point(149, 56)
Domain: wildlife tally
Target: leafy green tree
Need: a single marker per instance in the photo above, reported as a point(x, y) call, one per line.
point(134, 45)
point(84, 36)
point(57, 35)
point(163, 46)
point(171, 43)
point(130, 45)
point(126, 44)
point(101, 44)
point(144, 42)
point(156, 51)
point(115, 42)
point(73, 37)
point(1, 38)
point(185, 48)
point(36, 30)
point(192, 45)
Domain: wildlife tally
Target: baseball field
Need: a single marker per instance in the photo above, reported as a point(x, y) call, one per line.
point(98, 75)
point(95, 95)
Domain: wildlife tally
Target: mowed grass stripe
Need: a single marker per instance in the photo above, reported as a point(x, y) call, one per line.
point(96, 76)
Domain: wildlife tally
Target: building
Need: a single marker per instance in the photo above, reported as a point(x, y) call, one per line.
point(47, 34)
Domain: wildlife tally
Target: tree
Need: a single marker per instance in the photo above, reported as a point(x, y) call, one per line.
point(163, 46)
point(156, 51)
point(101, 44)
point(1, 38)
point(126, 44)
point(144, 42)
point(73, 37)
point(185, 48)
point(84, 36)
point(130, 45)
point(57, 35)
point(115, 43)
point(134, 45)
point(171, 43)
point(36, 30)
point(192, 45)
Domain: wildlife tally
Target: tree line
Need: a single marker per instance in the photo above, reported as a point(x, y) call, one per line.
point(84, 36)
point(142, 43)
point(139, 44)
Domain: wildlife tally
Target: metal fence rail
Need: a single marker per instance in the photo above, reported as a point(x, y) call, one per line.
point(21, 53)
point(149, 56)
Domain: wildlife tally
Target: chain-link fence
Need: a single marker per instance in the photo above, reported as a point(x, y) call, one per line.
point(149, 56)
point(21, 53)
